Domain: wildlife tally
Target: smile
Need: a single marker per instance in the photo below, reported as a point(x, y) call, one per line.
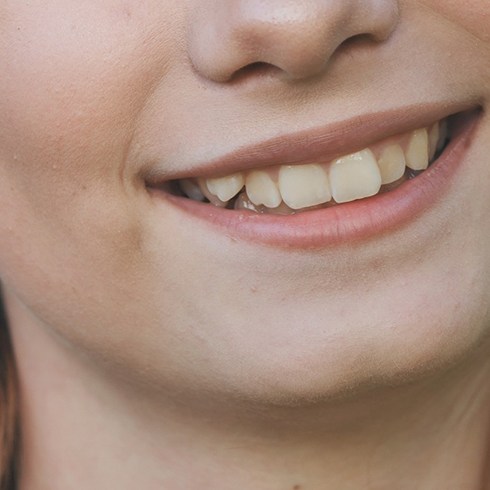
point(324, 200)
point(288, 189)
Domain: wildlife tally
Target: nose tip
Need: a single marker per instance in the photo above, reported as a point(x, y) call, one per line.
point(296, 37)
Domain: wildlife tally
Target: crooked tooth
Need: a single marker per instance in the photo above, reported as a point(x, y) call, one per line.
point(302, 186)
point(391, 164)
point(225, 188)
point(352, 177)
point(210, 196)
point(355, 176)
point(261, 189)
point(417, 153)
point(433, 140)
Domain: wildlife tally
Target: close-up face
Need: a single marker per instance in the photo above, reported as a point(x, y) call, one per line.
point(273, 200)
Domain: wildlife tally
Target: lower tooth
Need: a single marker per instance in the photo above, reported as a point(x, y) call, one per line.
point(411, 174)
point(242, 202)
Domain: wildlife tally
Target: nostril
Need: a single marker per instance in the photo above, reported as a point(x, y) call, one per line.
point(359, 40)
point(358, 44)
point(233, 40)
point(261, 69)
point(257, 69)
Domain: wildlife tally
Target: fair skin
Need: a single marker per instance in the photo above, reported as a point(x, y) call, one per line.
point(157, 350)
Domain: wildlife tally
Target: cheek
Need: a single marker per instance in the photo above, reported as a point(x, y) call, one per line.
point(473, 16)
point(74, 77)
point(70, 89)
point(68, 106)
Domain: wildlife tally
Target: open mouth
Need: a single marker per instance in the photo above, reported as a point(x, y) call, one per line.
point(291, 189)
point(318, 201)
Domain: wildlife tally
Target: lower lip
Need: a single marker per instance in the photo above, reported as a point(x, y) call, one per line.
point(355, 221)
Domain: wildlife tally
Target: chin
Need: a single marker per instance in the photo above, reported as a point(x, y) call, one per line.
point(295, 358)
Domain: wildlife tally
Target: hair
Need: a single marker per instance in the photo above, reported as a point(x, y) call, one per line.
point(9, 423)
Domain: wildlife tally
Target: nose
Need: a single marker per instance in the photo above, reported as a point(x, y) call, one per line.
point(297, 37)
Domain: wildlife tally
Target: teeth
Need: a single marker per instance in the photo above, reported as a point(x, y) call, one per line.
point(391, 164)
point(261, 189)
point(288, 189)
point(417, 153)
point(243, 202)
point(225, 188)
point(210, 196)
point(302, 186)
point(433, 140)
point(355, 176)
point(192, 190)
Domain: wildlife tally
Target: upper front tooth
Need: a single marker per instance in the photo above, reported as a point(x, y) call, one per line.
point(302, 186)
point(417, 153)
point(355, 176)
point(226, 187)
point(261, 189)
point(391, 164)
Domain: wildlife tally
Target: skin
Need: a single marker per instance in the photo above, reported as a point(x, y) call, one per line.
point(197, 361)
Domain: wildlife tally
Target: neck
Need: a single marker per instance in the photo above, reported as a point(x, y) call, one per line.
point(82, 430)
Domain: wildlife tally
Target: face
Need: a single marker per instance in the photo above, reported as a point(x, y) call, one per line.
point(112, 109)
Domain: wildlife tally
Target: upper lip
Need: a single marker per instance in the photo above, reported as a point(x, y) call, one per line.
point(321, 144)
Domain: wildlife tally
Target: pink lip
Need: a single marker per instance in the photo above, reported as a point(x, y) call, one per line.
point(353, 221)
